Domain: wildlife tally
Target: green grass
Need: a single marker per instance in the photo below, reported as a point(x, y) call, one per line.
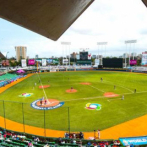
point(114, 110)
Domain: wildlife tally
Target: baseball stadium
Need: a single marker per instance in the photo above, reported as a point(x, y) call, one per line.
point(70, 105)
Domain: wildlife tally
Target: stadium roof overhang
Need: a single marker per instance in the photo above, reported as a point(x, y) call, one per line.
point(145, 2)
point(50, 18)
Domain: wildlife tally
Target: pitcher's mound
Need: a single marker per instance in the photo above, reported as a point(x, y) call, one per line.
point(49, 103)
point(110, 94)
point(71, 90)
point(86, 83)
point(44, 86)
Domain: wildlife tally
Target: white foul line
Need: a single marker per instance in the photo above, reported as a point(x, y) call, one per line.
point(96, 88)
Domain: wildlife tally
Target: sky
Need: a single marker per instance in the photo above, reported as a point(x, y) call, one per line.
point(111, 21)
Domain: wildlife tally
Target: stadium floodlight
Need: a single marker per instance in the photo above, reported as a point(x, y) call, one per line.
point(7, 55)
point(102, 44)
point(127, 42)
point(84, 49)
point(130, 41)
point(67, 44)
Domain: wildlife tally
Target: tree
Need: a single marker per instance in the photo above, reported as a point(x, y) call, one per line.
point(138, 62)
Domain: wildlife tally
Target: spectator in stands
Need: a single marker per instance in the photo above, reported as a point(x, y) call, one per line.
point(1, 137)
point(5, 135)
point(81, 135)
point(63, 142)
point(74, 141)
point(46, 145)
point(30, 144)
point(94, 144)
point(59, 140)
point(88, 144)
point(116, 142)
point(74, 135)
point(36, 139)
point(131, 145)
point(66, 135)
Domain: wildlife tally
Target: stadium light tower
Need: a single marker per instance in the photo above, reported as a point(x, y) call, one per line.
point(101, 44)
point(7, 55)
point(129, 42)
point(84, 49)
point(67, 44)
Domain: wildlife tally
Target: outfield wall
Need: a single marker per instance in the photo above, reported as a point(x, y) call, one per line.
point(86, 68)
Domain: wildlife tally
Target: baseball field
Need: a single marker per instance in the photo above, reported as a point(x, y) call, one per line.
point(96, 104)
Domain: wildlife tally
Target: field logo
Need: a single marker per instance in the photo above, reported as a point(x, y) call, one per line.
point(47, 104)
point(92, 106)
point(25, 94)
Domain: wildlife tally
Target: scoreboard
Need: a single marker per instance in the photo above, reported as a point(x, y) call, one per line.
point(113, 63)
point(83, 55)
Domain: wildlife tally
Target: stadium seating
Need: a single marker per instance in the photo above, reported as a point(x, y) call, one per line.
point(9, 78)
point(11, 139)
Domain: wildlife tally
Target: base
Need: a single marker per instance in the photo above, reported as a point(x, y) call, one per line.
point(110, 94)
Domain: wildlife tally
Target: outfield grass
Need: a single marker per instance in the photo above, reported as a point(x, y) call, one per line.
point(114, 110)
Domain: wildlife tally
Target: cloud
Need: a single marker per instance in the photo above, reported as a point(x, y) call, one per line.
point(112, 21)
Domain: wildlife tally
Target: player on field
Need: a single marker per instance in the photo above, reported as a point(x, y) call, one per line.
point(41, 102)
point(134, 90)
point(98, 131)
point(114, 87)
point(122, 97)
point(45, 102)
point(101, 79)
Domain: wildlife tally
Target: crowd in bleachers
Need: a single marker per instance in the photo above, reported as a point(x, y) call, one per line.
point(11, 139)
point(9, 78)
point(1, 73)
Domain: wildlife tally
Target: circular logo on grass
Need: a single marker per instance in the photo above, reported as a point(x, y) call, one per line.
point(46, 104)
point(92, 106)
point(25, 94)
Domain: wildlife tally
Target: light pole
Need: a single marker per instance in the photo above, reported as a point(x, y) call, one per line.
point(101, 44)
point(7, 55)
point(68, 45)
point(129, 42)
point(6, 59)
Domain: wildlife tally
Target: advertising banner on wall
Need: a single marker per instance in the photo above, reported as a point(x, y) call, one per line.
point(31, 62)
point(144, 58)
point(65, 61)
point(5, 62)
point(134, 141)
point(55, 61)
point(43, 62)
point(23, 63)
point(49, 61)
point(38, 60)
point(133, 62)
